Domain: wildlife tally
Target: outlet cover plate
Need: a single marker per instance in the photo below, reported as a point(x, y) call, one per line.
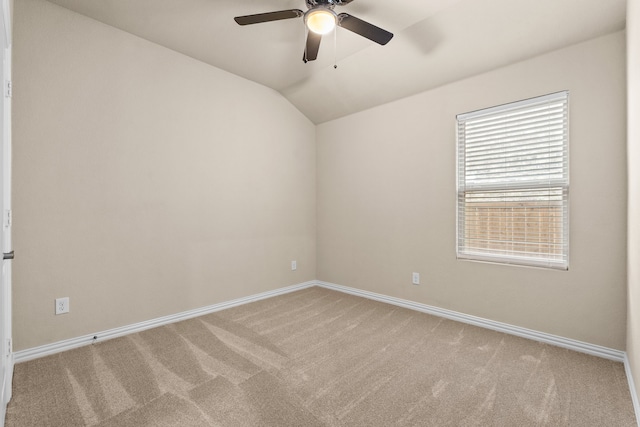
point(62, 305)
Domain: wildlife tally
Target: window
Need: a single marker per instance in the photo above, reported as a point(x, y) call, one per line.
point(513, 183)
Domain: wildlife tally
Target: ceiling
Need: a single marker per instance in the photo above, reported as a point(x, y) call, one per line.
point(435, 42)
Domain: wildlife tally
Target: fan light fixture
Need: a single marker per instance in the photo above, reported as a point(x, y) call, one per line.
point(321, 20)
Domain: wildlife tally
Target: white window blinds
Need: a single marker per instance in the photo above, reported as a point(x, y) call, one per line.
point(513, 183)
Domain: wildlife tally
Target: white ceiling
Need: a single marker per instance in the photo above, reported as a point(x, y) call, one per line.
point(435, 42)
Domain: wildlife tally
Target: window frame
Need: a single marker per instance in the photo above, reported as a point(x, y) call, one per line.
point(462, 250)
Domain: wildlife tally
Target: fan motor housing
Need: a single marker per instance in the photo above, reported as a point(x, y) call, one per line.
point(330, 4)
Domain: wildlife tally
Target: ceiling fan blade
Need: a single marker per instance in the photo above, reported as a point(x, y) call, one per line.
point(364, 29)
point(313, 45)
point(269, 16)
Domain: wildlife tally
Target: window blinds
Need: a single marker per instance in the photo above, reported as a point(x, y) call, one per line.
point(513, 183)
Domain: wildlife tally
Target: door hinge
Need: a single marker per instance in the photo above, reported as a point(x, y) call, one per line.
point(8, 347)
point(8, 90)
point(7, 218)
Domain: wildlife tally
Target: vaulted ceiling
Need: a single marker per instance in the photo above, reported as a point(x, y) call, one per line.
point(435, 42)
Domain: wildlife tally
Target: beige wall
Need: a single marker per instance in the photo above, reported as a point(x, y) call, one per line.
point(633, 144)
point(146, 183)
point(386, 199)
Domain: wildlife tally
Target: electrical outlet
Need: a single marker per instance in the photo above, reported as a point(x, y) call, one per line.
point(415, 279)
point(62, 305)
point(294, 265)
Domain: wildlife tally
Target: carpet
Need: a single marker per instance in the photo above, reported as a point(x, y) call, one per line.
point(318, 357)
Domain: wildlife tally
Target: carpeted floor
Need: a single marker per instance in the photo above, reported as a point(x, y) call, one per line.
point(319, 358)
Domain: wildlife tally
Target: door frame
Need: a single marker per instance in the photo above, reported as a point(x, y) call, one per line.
point(6, 356)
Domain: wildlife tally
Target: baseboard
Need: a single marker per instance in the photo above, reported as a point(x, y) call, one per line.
point(57, 347)
point(595, 350)
point(580, 346)
point(632, 388)
point(583, 347)
point(48, 349)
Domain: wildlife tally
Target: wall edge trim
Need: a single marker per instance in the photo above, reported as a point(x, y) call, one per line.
point(69, 344)
point(568, 343)
point(632, 388)
point(5, 392)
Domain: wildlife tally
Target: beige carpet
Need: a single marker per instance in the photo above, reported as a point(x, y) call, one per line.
point(320, 358)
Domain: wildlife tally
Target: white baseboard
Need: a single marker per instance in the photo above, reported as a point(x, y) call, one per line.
point(583, 347)
point(57, 347)
point(580, 346)
point(632, 388)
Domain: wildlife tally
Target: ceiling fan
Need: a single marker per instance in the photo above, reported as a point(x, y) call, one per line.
point(320, 19)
